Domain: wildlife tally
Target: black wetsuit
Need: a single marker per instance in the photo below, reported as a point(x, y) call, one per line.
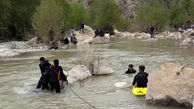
point(53, 78)
point(82, 28)
point(141, 79)
point(44, 68)
point(73, 40)
point(66, 41)
point(130, 72)
point(152, 32)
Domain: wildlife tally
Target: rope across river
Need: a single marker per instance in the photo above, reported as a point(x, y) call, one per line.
point(80, 97)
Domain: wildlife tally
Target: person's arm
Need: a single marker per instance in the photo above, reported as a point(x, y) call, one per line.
point(135, 80)
point(63, 76)
point(40, 68)
point(147, 78)
point(127, 72)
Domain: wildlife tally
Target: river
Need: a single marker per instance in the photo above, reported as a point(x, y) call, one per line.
point(19, 75)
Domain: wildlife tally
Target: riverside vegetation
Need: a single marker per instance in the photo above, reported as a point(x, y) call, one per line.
point(18, 19)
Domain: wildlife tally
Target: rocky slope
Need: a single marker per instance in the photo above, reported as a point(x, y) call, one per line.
point(128, 7)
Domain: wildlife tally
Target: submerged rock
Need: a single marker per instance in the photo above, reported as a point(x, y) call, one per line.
point(79, 72)
point(171, 84)
point(100, 68)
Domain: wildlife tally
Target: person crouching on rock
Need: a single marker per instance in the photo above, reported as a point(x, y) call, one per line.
point(141, 79)
point(56, 75)
point(44, 68)
point(130, 70)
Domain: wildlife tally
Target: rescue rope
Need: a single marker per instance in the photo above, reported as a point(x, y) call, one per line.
point(80, 97)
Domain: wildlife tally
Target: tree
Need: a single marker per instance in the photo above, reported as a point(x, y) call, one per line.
point(104, 14)
point(48, 21)
point(151, 13)
point(176, 16)
point(4, 17)
point(78, 15)
point(21, 17)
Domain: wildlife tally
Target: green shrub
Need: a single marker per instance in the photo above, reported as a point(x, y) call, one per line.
point(151, 13)
point(105, 13)
point(49, 17)
point(78, 15)
point(176, 16)
point(4, 16)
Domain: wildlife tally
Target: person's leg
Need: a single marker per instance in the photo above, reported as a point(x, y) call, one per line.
point(151, 34)
point(45, 82)
point(57, 87)
point(52, 86)
point(39, 83)
point(46, 85)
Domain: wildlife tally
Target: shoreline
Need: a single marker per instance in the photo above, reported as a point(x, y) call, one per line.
point(14, 48)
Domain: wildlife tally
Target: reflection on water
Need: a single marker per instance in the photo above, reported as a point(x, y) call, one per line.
point(19, 75)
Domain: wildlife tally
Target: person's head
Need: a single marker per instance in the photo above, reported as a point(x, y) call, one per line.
point(56, 62)
point(141, 68)
point(130, 67)
point(42, 60)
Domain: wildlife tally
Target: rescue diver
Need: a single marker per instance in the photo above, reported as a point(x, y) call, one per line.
point(44, 68)
point(141, 79)
point(56, 75)
point(130, 70)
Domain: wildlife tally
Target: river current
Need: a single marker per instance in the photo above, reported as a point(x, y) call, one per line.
point(19, 75)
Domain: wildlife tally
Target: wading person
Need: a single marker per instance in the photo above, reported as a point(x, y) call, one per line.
point(141, 79)
point(55, 76)
point(82, 28)
point(97, 32)
point(72, 32)
point(44, 68)
point(152, 31)
point(130, 70)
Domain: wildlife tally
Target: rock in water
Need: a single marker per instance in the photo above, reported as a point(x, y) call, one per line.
point(99, 40)
point(86, 37)
point(100, 68)
point(79, 72)
point(166, 86)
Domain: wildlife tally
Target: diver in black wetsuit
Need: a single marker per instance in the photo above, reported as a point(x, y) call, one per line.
point(130, 70)
point(141, 79)
point(44, 68)
point(55, 75)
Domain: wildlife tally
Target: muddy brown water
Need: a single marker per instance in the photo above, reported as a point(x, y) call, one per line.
point(19, 75)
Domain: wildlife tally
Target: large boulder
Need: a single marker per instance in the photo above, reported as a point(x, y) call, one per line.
point(100, 67)
point(79, 72)
point(86, 37)
point(171, 84)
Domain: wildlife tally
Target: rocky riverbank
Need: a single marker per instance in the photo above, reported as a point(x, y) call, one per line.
point(11, 49)
point(185, 37)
